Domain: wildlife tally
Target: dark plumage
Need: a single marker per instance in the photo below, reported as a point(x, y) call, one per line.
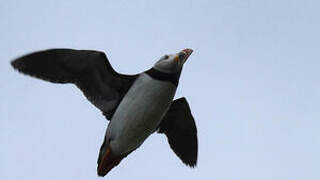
point(137, 105)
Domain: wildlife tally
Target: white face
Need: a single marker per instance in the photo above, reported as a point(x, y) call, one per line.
point(172, 63)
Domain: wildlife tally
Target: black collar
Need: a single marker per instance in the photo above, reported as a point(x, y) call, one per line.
point(171, 77)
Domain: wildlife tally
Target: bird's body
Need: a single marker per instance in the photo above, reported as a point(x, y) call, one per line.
point(136, 105)
point(139, 113)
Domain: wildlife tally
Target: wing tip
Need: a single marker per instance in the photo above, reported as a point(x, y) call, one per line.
point(191, 163)
point(15, 64)
point(18, 65)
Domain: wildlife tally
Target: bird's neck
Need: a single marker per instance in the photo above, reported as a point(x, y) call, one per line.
point(170, 77)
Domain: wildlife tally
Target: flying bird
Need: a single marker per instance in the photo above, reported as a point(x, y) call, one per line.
point(136, 105)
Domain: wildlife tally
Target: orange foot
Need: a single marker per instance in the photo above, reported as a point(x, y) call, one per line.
point(108, 162)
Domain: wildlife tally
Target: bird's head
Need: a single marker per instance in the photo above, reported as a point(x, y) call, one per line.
point(172, 63)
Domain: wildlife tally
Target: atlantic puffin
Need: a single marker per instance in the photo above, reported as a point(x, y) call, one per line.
point(136, 105)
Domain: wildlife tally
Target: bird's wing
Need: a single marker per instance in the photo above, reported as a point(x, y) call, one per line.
point(89, 70)
point(179, 127)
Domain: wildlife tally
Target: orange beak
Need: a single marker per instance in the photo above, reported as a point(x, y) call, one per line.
point(183, 55)
point(188, 52)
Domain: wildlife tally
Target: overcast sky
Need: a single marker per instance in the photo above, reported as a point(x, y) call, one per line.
point(252, 84)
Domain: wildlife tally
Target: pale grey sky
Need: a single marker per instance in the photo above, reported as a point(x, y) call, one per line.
point(252, 83)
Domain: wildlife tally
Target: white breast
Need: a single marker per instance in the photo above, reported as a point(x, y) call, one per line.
point(139, 113)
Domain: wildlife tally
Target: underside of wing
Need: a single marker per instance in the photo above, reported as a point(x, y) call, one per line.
point(89, 70)
point(179, 127)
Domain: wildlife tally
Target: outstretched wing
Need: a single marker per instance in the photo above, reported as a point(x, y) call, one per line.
point(89, 70)
point(179, 127)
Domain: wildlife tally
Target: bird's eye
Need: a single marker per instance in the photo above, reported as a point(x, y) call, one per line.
point(165, 57)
